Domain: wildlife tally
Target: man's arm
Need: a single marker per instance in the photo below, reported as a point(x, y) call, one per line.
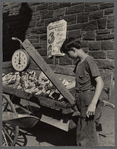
point(98, 90)
point(99, 87)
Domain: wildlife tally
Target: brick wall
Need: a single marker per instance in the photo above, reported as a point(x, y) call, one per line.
point(92, 23)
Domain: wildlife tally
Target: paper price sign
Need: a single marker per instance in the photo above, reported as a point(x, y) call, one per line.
point(56, 35)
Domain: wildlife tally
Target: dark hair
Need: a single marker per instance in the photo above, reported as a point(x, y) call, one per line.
point(68, 43)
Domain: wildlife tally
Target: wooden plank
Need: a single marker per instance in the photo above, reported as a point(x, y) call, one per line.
point(8, 116)
point(44, 101)
point(48, 71)
point(21, 110)
point(7, 64)
point(56, 123)
point(22, 120)
point(7, 67)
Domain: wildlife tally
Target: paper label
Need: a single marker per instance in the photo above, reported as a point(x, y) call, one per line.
point(56, 35)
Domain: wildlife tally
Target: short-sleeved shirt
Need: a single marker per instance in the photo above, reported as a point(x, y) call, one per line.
point(86, 72)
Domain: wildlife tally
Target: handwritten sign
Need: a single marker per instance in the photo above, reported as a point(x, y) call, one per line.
point(56, 35)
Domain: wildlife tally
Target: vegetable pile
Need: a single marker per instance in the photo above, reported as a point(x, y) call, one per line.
point(28, 81)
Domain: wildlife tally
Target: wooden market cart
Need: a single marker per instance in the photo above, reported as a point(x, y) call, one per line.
point(51, 111)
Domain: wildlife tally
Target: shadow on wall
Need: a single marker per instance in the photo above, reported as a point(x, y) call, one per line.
point(15, 26)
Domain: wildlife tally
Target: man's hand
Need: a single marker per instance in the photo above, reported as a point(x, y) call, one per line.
point(91, 110)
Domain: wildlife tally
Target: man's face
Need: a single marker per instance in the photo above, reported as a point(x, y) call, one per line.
point(72, 53)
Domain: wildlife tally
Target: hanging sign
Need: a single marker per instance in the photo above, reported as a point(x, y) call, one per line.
point(56, 35)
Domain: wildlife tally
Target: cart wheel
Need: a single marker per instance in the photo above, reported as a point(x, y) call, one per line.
point(9, 132)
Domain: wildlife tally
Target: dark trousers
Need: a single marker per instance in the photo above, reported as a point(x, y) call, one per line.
point(86, 134)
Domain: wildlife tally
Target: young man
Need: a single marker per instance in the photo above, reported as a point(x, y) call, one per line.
point(88, 84)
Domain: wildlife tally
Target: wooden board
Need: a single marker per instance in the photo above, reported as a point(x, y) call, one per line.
point(40, 100)
point(22, 120)
point(48, 71)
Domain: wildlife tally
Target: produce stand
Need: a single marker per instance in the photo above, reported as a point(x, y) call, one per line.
point(53, 112)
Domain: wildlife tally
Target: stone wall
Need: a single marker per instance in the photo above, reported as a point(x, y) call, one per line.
point(91, 23)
